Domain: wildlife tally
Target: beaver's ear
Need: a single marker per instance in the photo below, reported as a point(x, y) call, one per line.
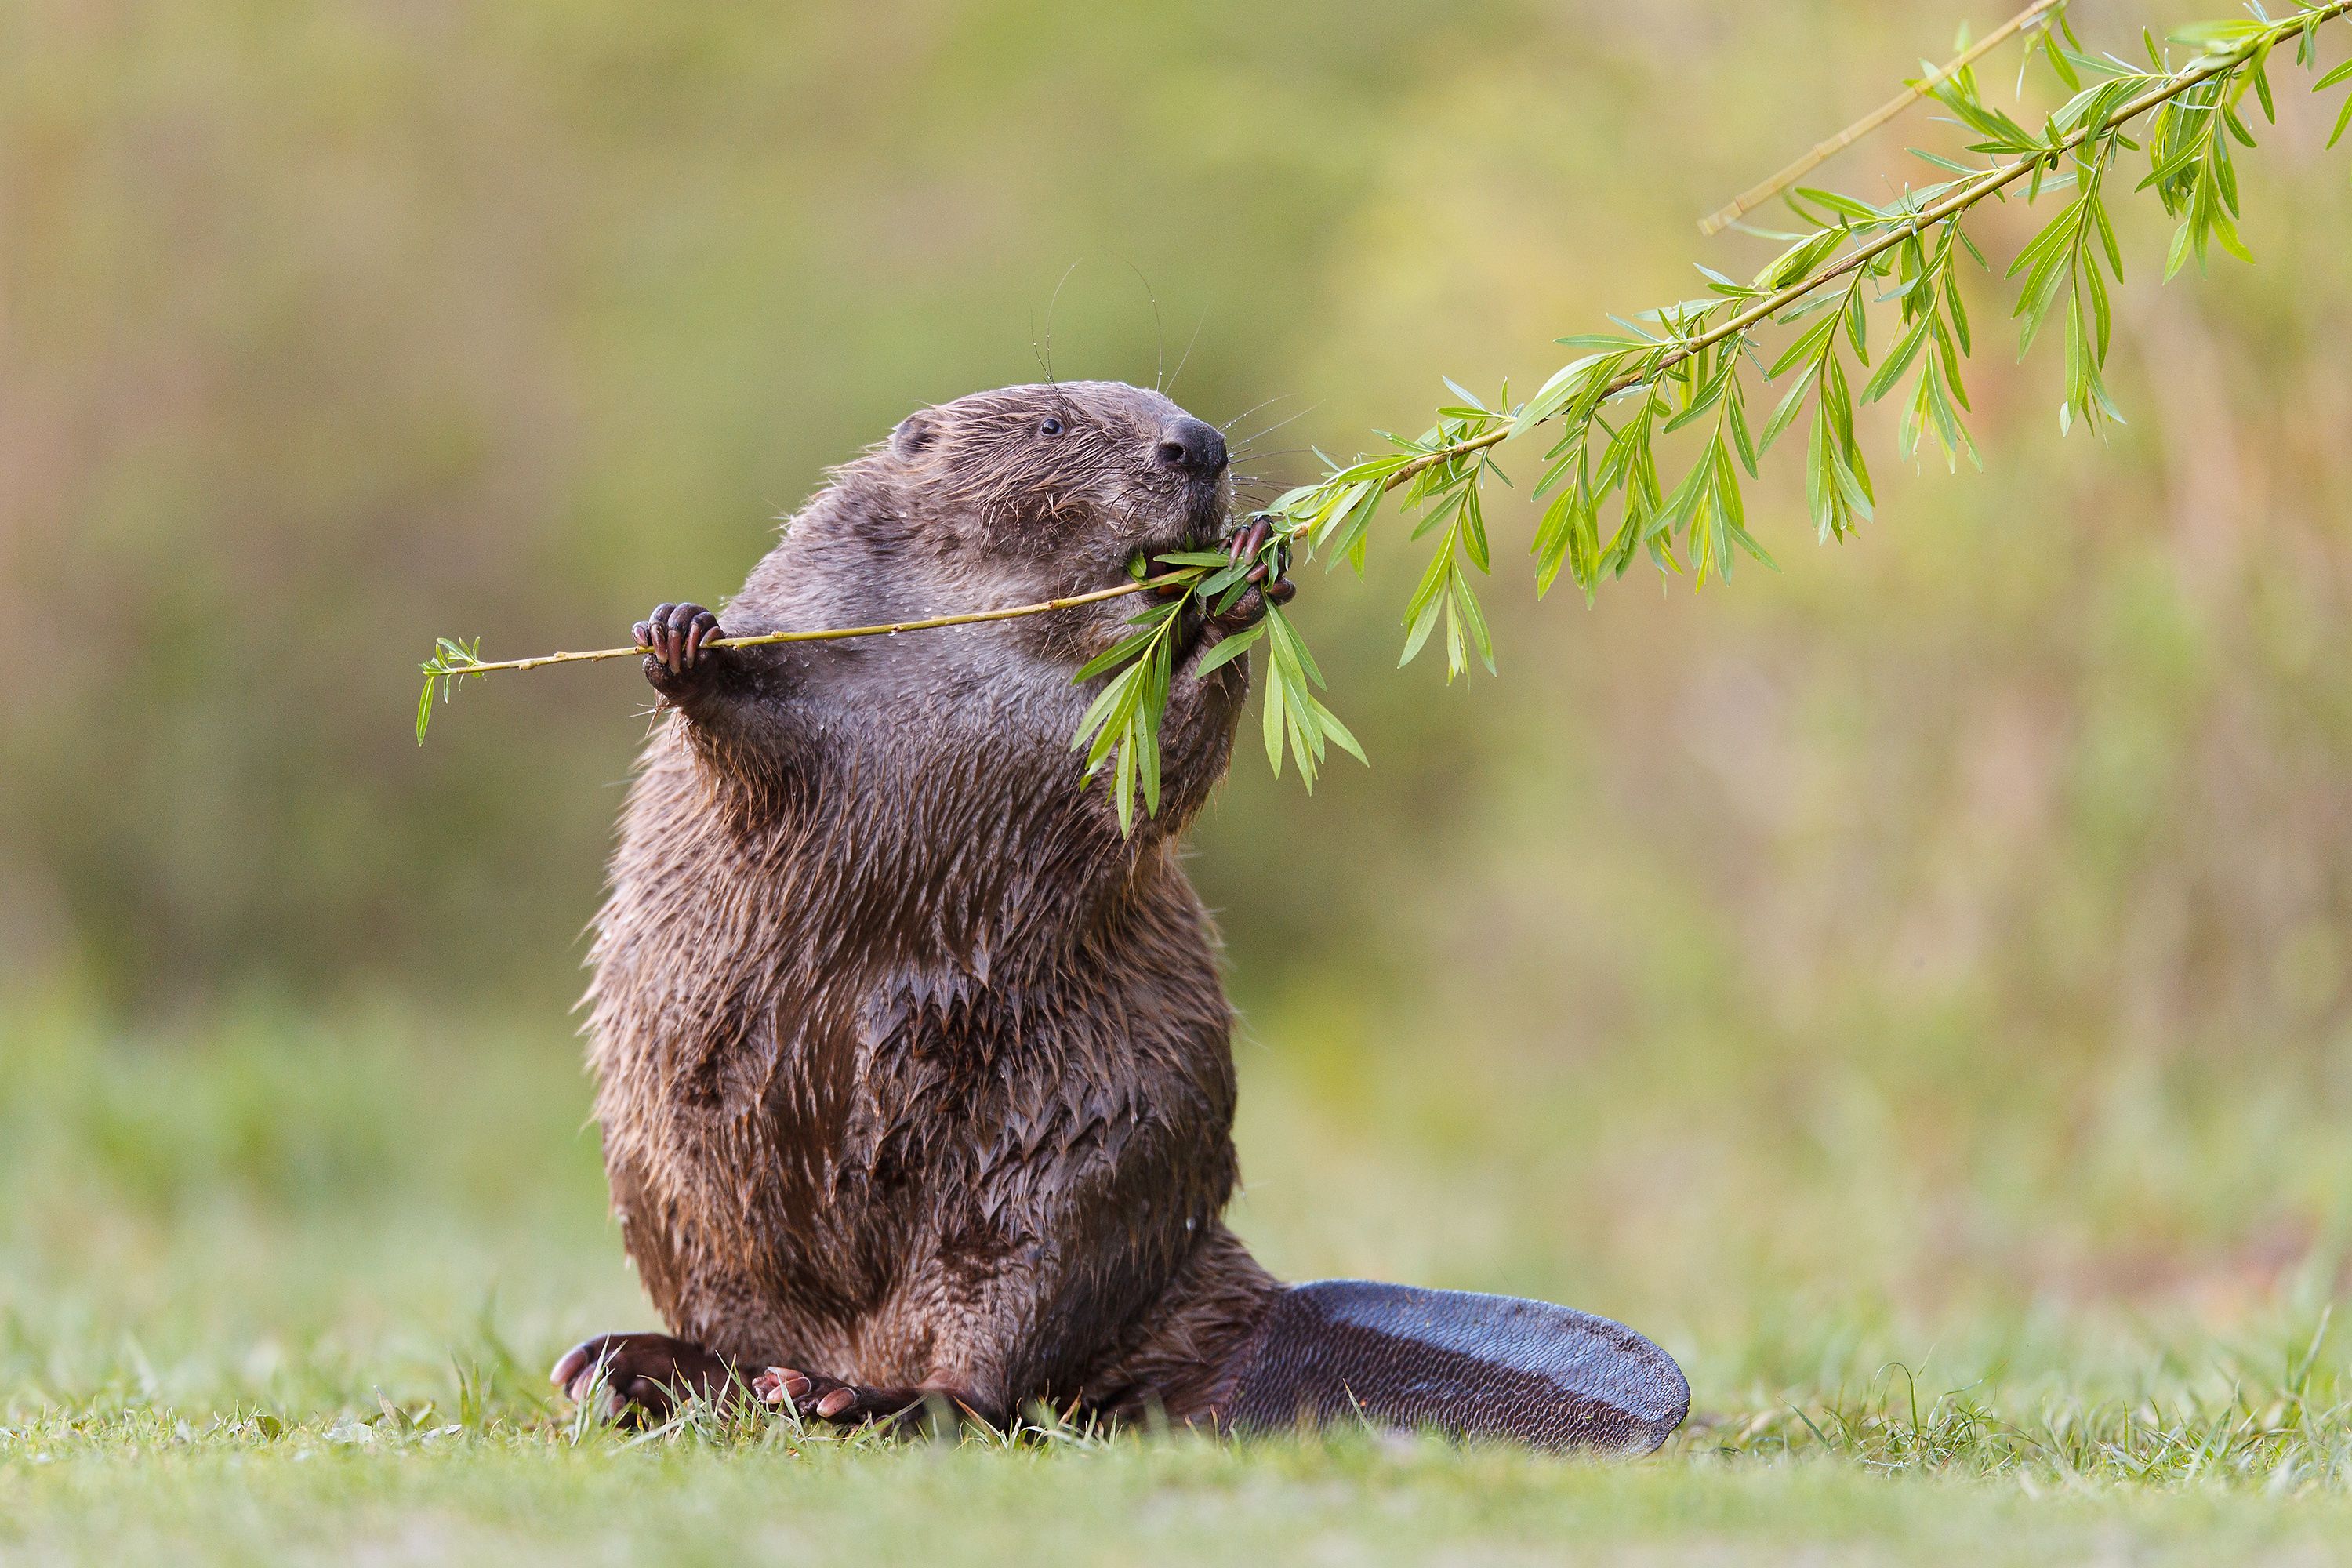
point(916, 433)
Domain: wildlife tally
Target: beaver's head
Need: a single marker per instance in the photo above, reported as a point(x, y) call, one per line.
point(1036, 493)
point(997, 500)
point(1069, 480)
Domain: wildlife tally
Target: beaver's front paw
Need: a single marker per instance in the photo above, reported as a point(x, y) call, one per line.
point(1267, 586)
point(643, 1376)
point(676, 639)
point(830, 1399)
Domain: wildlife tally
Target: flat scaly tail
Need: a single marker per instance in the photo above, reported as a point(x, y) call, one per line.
point(1338, 1351)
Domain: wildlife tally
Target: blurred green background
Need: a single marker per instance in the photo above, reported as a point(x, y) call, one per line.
point(1938, 949)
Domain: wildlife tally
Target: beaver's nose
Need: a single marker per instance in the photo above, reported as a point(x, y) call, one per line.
point(1193, 447)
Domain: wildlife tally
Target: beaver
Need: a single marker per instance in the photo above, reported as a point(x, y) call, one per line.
point(914, 1070)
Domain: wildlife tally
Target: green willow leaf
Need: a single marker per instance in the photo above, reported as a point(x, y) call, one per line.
point(1231, 647)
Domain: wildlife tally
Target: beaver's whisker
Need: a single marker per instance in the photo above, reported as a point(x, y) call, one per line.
point(1254, 407)
point(1186, 357)
point(1261, 434)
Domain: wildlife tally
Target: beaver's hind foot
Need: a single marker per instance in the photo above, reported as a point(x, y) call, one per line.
point(848, 1403)
point(643, 1376)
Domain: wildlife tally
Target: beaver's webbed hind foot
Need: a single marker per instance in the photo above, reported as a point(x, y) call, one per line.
point(643, 1376)
point(1346, 1351)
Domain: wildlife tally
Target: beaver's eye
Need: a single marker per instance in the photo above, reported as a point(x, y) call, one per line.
point(1049, 427)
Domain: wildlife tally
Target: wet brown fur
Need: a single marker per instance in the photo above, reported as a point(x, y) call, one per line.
point(912, 1071)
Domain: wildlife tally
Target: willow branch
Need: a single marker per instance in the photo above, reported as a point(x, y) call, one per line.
point(1913, 240)
point(1755, 196)
point(1974, 190)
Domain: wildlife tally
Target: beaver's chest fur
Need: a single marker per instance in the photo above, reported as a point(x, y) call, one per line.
point(859, 1099)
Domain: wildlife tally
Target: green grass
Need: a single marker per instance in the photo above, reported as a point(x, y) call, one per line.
point(283, 1287)
point(523, 1500)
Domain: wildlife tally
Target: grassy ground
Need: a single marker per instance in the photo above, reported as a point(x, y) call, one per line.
point(284, 1288)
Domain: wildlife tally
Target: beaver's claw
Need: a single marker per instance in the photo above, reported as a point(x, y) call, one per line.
point(1248, 541)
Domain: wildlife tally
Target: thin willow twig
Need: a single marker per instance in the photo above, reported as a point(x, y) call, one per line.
point(1755, 196)
point(834, 634)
